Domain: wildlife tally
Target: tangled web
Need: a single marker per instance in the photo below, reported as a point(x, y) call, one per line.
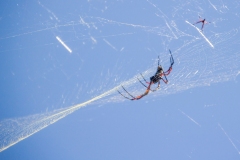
point(201, 58)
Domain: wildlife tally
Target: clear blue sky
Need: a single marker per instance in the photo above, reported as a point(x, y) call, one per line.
point(195, 116)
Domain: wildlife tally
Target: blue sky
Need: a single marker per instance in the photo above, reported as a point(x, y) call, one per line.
point(195, 116)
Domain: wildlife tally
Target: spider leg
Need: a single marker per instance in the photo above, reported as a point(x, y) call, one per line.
point(157, 87)
point(142, 82)
point(202, 26)
point(124, 95)
point(133, 98)
point(144, 78)
point(171, 58)
point(197, 22)
point(144, 94)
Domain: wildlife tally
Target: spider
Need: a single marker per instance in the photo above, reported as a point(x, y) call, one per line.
point(159, 75)
point(203, 21)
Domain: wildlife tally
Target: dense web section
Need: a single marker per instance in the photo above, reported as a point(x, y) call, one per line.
point(131, 47)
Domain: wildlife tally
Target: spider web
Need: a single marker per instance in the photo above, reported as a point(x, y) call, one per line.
point(197, 63)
